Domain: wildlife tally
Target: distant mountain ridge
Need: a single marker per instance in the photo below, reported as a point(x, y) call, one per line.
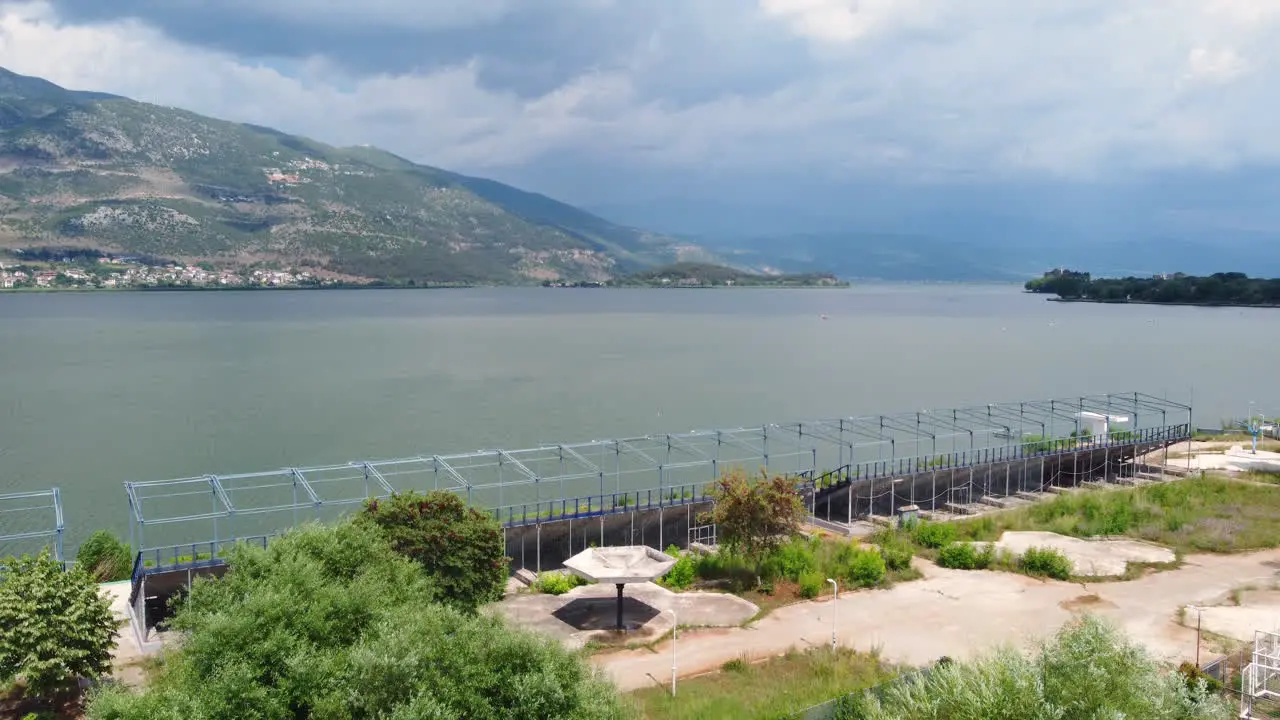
point(90, 169)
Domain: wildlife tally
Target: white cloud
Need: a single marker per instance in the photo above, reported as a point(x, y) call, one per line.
point(918, 87)
point(845, 20)
point(1214, 65)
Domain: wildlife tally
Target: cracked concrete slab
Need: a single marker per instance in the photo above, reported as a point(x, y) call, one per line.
point(961, 613)
point(1094, 557)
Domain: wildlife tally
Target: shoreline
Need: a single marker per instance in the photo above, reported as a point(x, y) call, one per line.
point(198, 288)
point(1150, 302)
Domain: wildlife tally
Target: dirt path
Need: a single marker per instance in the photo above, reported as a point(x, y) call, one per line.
point(958, 613)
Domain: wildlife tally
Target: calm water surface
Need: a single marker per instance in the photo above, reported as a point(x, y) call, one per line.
point(98, 389)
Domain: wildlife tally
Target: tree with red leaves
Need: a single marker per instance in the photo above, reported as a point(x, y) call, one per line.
point(754, 517)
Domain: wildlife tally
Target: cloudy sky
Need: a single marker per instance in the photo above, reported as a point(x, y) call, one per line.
point(596, 100)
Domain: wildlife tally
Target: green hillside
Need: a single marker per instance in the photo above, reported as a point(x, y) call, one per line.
point(94, 170)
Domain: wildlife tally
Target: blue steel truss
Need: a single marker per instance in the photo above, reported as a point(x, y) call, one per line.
point(585, 479)
point(31, 516)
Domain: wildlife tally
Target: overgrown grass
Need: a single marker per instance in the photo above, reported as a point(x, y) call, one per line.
point(1204, 514)
point(775, 688)
point(555, 583)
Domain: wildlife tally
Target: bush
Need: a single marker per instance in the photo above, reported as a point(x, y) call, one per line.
point(105, 557)
point(554, 583)
point(680, 576)
point(754, 516)
point(1193, 676)
point(934, 535)
point(864, 568)
point(794, 559)
point(965, 556)
point(331, 623)
point(1046, 562)
point(811, 584)
point(897, 553)
point(54, 626)
point(1088, 670)
point(460, 548)
point(727, 565)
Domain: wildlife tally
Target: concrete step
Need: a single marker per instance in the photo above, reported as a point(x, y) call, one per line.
point(527, 577)
point(1061, 490)
point(964, 508)
point(881, 520)
point(1032, 496)
point(702, 548)
point(1098, 485)
point(939, 516)
point(1005, 503)
point(1153, 477)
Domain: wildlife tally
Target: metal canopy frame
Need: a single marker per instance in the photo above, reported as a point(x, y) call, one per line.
point(675, 465)
point(28, 516)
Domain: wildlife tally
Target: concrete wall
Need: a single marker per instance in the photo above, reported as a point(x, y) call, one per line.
point(933, 489)
point(547, 546)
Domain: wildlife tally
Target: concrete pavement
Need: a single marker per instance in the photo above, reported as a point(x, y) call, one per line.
point(959, 614)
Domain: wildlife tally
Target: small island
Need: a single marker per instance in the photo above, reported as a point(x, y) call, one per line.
point(1231, 289)
point(706, 275)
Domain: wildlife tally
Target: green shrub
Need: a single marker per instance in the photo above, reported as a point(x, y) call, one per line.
point(554, 583)
point(728, 566)
point(1047, 562)
point(673, 551)
point(795, 559)
point(965, 556)
point(811, 584)
point(897, 553)
point(460, 548)
point(680, 576)
point(105, 557)
point(865, 568)
point(54, 626)
point(1088, 670)
point(1193, 676)
point(734, 665)
point(329, 622)
point(934, 535)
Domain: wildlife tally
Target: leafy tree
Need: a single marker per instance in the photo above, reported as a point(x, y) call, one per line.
point(54, 626)
point(755, 517)
point(460, 548)
point(330, 622)
point(1217, 289)
point(105, 557)
point(1088, 670)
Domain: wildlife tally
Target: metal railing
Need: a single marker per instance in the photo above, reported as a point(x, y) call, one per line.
point(188, 556)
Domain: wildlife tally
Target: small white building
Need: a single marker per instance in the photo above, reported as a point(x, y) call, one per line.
point(1099, 425)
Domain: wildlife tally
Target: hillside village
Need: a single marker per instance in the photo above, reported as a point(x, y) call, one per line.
point(109, 273)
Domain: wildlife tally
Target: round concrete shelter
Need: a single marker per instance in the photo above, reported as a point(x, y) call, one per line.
point(620, 565)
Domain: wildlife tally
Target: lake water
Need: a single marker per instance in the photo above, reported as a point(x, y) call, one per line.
point(98, 389)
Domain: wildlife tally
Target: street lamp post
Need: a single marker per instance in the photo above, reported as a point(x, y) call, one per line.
point(835, 591)
point(675, 630)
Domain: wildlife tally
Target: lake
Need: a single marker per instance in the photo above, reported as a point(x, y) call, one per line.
point(99, 389)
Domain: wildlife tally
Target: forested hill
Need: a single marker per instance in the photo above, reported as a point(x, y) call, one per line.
point(1236, 289)
point(90, 170)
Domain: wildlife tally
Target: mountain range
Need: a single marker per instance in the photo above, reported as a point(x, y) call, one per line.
point(86, 169)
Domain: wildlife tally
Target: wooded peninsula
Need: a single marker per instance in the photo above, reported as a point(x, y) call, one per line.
point(1219, 289)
